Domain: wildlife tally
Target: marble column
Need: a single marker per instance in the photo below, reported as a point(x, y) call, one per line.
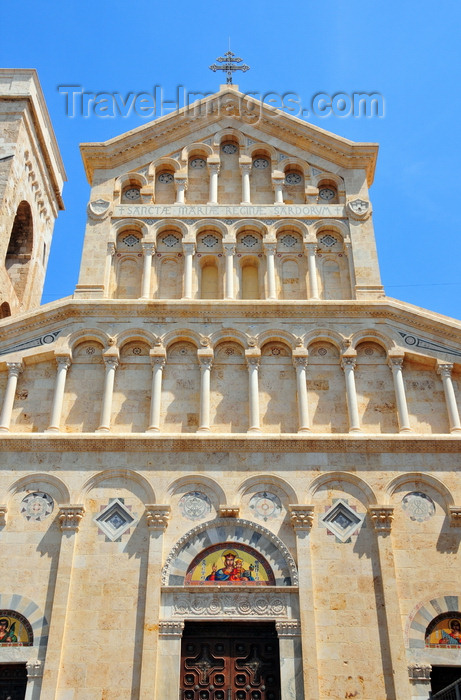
point(158, 359)
point(252, 357)
point(181, 187)
point(108, 267)
point(14, 370)
point(445, 369)
point(381, 517)
point(214, 173)
point(189, 250)
point(311, 252)
point(69, 520)
point(157, 517)
point(169, 658)
point(205, 358)
point(395, 363)
point(348, 364)
point(278, 180)
point(246, 170)
point(34, 668)
point(300, 364)
point(291, 670)
point(63, 363)
point(111, 364)
point(302, 518)
point(229, 252)
point(269, 249)
point(148, 250)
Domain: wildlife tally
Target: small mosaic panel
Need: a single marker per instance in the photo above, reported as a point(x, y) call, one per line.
point(328, 240)
point(445, 631)
point(265, 505)
point(293, 179)
point(209, 240)
point(170, 241)
point(231, 563)
point(195, 505)
point(260, 163)
point(249, 241)
point(37, 506)
point(289, 241)
point(130, 240)
point(114, 519)
point(418, 506)
point(15, 630)
point(342, 520)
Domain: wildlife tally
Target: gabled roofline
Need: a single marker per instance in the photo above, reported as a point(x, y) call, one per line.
point(123, 148)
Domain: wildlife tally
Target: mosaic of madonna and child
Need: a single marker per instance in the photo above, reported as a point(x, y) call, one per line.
point(232, 564)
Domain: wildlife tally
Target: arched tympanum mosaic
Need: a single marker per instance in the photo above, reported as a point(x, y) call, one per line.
point(230, 533)
point(229, 563)
point(30, 626)
point(442, 609)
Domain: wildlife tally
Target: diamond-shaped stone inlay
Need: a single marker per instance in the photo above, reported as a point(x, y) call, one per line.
point(289, 241)
point(170, 241)
point(328, 240)
point(114, 519)
point(209, 240)
point(130, 240)
point(341, 520)
point(249, 241)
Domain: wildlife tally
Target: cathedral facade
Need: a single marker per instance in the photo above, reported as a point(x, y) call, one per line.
point(228, 461)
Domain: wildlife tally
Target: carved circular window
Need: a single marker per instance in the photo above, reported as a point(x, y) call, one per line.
point(229, 148)
point(197, 163)
point(327, 193)
point(293, 178)
point(165, 178)
point(261, 163)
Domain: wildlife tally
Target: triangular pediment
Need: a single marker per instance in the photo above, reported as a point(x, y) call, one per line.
point(229, 108)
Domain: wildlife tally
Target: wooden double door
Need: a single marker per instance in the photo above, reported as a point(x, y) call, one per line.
point(13, 681)
point(230, 661)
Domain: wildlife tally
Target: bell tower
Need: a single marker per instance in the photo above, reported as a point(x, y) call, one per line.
point(31, 181)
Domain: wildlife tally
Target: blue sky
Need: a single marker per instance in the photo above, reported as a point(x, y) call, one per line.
point(409, 52)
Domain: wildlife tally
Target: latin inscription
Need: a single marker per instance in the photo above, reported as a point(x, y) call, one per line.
point(174, 210)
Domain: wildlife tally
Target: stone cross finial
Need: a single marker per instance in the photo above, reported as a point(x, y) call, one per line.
point(229, 59)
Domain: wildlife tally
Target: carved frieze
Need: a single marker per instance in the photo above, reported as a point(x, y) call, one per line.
point(229, 604)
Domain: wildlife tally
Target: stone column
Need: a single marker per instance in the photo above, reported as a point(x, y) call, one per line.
point(34, 668)
point(348, 365)
point(181, 187)
point(111, 364)
point(311, 252)
point(169, 658)
point(300, 359)
point(189, 250)
point(381, 517)
point(108, 267)
point(395, 363)
point(302, 518)
point(350, 263)
point(157, 517)
point(14, 370)
point(214, 172)
point(229, 252)
point(148, 250)
point(269, 249)
point(246, 170)
point(158, 359)
point(205, 358)
point(252, 357)
point(69, 520)
point(444, 369)
point(291, 669)
point(63, 362)
point(278, 178)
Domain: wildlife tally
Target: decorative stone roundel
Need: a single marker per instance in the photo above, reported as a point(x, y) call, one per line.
point(418, 506)
point(265, 505)
point(197, 163)
point(261, 163)
point(327, 193)
point(165, 178)
point(293, 179)
point(229, 148)
point(132, 193)
point(37, 506)
point(195, 505)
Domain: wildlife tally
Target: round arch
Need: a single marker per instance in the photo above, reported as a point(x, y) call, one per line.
point(29, 609)
point(323, 479)
point(267, 478)
point(201, 479)
point(181, 335)
point(126, 474)
point(418, 477)
point(34, 480)
point(230, 530)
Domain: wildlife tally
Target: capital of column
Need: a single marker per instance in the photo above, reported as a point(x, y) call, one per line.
point(300, 360)
point(157, 356)
point(111, 248)
point(229, 511)
point(382, 517)
point(110, 361)
point(15, 368)
point(63, 361)
point(395, 363)
point(420, 672)
point(3, 512)
point(301, 517)
point(245, 167)
point(270, 248)
point(455, 516)
point(444, 369)
point(170, 628)
point(70, 516)
point(157, 516)
point(253, 361)
point(181, 181)
point(214, 167)
point(148, 248)
point(205, 362)
point(34, 668)
point(229, 248)
point(311, 247)
point(348, 363)
point(288, 628)
point(188, 247)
